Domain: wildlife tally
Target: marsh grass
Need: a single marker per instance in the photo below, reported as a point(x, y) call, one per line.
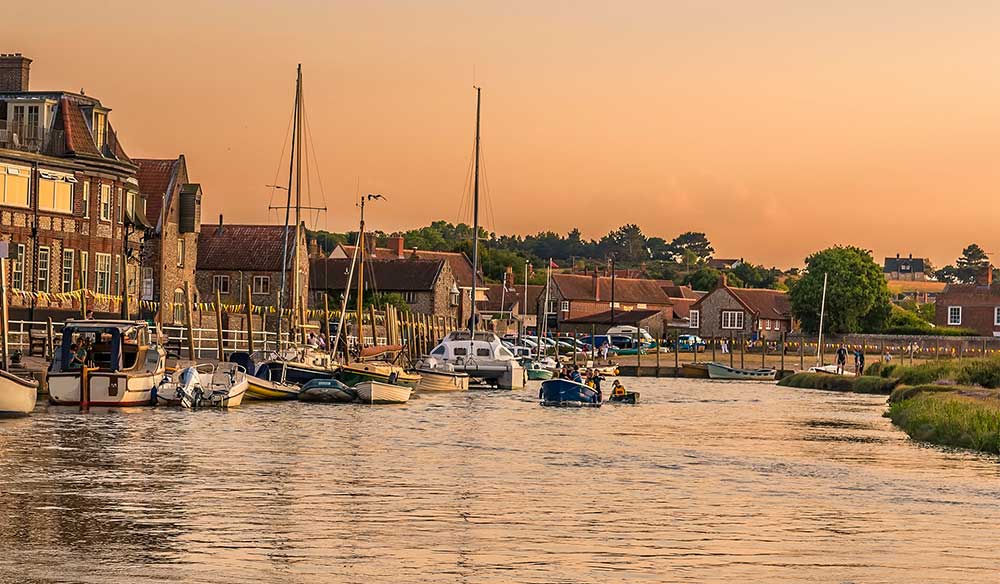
point(864, 384)
point(949, 416)
point(984, 372)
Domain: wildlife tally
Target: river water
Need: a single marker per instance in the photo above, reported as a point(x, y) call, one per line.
point(702, 482)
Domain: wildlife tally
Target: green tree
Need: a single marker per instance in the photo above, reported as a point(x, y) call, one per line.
point(692, 241)
point(969, 265)
point(706, 279)
point(857, 297)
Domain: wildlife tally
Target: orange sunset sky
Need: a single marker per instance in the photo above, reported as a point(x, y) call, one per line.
point(777, 127)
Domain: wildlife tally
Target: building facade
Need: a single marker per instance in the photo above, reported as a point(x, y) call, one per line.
point(69, 199)
point(906, 269)
point(970, 306)
point(747, 312)
point(574, 296)
point(170, 251)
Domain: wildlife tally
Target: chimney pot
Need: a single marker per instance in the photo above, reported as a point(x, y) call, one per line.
point(15, 70)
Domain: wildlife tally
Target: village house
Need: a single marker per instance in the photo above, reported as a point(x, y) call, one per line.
point(971, 306)
point(237, 260)
point(572, 296)
point(170, 252)
point(426, 285)
point(681, 299)
point(908, 268)
point(69, 199)
point(749, 312)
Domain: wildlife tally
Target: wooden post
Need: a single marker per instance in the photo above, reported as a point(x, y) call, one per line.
point(763, 352)
point(593, 342)
point(743, 351)
point(326, 320)
point(732, 356)
point(49, 339)
point(218, 327)
point(638, 353)
point(249, 307)
point(782, 351)
point(188, 318)
point(802, 353)
point(371, 314)
point(4, 315)
point(715, 341)
point(83, 303)
point(263, 323)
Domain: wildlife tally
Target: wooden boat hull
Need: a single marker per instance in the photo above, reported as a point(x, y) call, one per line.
point(433, 380)
point(263, 389)
point(539, 374)
point(17, 395)
point(717, 371)
point(106, 389)
point(362, 372)
point(694, 370)
point(374, 392)
point(567, 393)
point(297, 373)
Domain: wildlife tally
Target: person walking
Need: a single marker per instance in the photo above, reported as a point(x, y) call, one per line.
point(860, 360)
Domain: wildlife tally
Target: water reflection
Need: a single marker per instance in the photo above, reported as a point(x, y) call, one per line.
point(703, 481)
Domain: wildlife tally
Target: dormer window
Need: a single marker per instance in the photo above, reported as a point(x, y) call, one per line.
point(100, 124)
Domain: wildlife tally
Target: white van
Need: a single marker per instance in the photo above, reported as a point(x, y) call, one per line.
point(629, 331)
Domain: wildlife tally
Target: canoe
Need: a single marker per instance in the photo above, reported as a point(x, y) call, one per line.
point(567, 393)
point(356, 373)
point(694, 370)
point(327, 391)
point(442, 380)
point(629, 397)
point(17, 395)
point(719, 371)
point(374, 392)
point(265, 389)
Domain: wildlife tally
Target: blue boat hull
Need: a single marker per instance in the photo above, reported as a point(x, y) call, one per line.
point(566, 393)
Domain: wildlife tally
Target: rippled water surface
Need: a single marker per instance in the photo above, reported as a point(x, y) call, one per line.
point(702, 482)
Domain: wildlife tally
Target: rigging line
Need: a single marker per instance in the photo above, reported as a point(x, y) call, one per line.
point(306, 145)
point(467, 188)
point(281, 158)
point(319, 175)
point(491, 212)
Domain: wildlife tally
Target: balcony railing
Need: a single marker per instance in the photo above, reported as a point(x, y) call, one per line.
point(18, 135)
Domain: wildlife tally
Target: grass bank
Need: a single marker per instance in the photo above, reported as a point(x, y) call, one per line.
point(863, 384)
point(982, 372)
point(963, 417)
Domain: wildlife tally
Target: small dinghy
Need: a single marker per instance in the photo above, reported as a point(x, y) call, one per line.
point(537, 372)
point(620, 395)
point(329, 391)
point(568, 393)
point(376, 392)
point(204, 386)
point(719, 371)
point(17, 396)
point(438, 376)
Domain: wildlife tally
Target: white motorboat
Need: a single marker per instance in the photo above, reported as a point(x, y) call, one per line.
point(122, 369)
point(437, 376)
point(481, 356)
point(375, 392)
point(720, 371)
point(204, 386)
point(17, 395)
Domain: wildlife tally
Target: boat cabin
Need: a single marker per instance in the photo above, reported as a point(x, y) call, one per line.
point(462, 345)
point(114, 346)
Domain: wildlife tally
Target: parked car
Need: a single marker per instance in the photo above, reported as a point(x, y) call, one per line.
point(630, 331)
point(690, 343)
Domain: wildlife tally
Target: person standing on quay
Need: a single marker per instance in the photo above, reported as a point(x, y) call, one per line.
point(841, 359)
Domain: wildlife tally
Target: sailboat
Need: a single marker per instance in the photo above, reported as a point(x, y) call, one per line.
point(362, 371)
point(479, 354)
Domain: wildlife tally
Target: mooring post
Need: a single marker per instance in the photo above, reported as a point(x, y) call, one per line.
point(732, 356)
point(218, 326)
point(743, 351)
point(249, 307)
point(638, 352)
point(782, 351)
point(188, 320)
point(659, 345)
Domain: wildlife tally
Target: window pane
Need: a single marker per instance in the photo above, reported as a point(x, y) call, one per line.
point(64, 197)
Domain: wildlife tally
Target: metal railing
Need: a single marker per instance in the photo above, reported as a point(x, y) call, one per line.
point(19, 135)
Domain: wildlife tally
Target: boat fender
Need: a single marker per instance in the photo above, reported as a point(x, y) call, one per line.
point(153, 392)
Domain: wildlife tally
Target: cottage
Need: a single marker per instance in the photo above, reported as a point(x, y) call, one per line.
point(427, 286)
point(572, 296)
point(237, 260)
point(728, 311)
point(908, 268)
point(170, 251)
point(971, 306)
point(69, 198)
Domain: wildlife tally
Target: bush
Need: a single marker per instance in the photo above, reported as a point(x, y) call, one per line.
point(927, 373)
point(982, 372)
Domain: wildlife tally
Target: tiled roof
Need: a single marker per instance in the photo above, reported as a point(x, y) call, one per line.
point(116, 146)
point(763, 302)
point(496, 294)
point(909, 265)
point(682, 306)
point(393, 275)
point(70, 119)
point(970, 295)
point(582, 287)
point(459, 262)
point(154, 177)
point(249, 248)
point(620, 317)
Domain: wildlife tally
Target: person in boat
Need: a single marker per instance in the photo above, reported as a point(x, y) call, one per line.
point(575, 375)
point(87, 345)
point(78, 355)
point(841, 359)
point(617, 389)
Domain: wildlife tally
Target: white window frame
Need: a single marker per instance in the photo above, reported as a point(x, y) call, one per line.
point(103, 279)
point(105, 203)
point(57, 180)
point(179, 302)
point(181, 252)
point(220, 283)
point(564, 306)
point(117, 269)
point(18, 171)
point(777, 325)
point(17, 267)
point(120, 201)
point(68, 269)
point(694, 319)
point(733, 320)
point(86, 199)
point(954, 316)
point(409, 296)
point(147, 283)
point(996, 316)
point(767, 324)
point(44, 269)
point(84, 264)
point(261, 285)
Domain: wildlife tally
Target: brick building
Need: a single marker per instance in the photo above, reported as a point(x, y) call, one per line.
point(971, 306)
point(170, 252)
point(752, 312)
point(232, 258)
point(573, 296)
point(427, 286)
point(69, 197)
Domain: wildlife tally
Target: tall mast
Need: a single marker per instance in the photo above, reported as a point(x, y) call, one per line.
point(296, 277)
point(475, 222)
point(288, 203)
point(361, 276)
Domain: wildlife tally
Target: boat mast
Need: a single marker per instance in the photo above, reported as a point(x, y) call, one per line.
point(822, 310)
point(475, 223)
point(288, 202)
point(296, 277)
point(361, 277)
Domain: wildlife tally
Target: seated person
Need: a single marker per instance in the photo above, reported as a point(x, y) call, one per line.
point(575, 375)
point(617, 388)
point(77, 356)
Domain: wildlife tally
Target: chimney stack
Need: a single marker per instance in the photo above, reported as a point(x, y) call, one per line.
point(14, 72)
point(396, 246)
point(219, 231)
